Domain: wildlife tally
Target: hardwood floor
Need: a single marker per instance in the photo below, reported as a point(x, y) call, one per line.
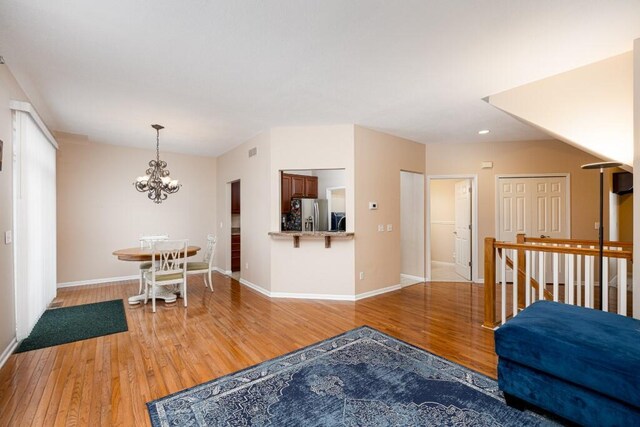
point(108, 380)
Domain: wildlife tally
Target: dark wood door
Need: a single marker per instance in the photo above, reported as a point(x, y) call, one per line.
point(235, 197)
point(297, 186)
point(311, 187)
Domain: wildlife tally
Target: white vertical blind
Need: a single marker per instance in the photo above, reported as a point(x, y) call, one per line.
point(34, 220)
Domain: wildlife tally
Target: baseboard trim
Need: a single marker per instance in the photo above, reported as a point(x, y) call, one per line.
point(333, 297)
point(97, 281)
point(412, 277)
point(375, 292)
point(255, 287)
point(8, 351)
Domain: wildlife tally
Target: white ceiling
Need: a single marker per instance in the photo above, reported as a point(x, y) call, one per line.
point(216, 73)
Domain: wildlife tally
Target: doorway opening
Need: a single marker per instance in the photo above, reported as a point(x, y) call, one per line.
point(236, 261)
point(412, 228)
point(451, 228)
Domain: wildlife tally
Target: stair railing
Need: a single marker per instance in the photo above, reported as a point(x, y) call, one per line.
point(522, 269)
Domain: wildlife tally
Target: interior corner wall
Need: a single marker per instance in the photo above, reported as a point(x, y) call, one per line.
point(253, 173)
point(379, 159)
point(312, 269)
point(10, 90)
point(521, 157)
point(97, 216)
point(636, 176)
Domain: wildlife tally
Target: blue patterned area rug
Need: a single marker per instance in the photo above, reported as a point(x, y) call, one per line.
point(360, 378)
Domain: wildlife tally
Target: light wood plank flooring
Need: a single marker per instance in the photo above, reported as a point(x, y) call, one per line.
point(108, 380)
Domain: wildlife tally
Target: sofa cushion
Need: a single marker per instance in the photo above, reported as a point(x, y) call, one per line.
point(591, 348)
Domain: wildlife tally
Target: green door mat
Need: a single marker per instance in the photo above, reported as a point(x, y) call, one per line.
point(68, 324)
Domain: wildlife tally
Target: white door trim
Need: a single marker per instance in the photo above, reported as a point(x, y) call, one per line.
point(566, 176)
point(474, 222)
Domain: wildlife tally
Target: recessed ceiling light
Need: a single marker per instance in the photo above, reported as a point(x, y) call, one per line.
point(484, 131)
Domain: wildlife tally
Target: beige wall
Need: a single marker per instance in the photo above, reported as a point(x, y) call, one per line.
point(99, 210)
point(312, 269)
point(412, 223)
point(379, 158)
point(526, 157)
point(442, 219)
point(625, 218)
point(9, 90)
point(590, 107)
point(253, 173)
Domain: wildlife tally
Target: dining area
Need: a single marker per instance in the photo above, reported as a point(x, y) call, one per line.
point(164, 267)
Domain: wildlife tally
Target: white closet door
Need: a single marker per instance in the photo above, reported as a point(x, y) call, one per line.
point(535, 206)
point(34, 222)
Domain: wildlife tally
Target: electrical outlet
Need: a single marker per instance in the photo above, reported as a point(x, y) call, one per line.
point(380, 227)
point(362, 275)
point(596, 226)
point(221, 225)
point(389, 227)
point(8, 238)
point(246, 265)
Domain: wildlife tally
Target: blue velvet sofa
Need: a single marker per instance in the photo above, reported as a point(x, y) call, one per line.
point(579, 363)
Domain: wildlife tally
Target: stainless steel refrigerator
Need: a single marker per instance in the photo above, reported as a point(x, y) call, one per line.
point(315, 215)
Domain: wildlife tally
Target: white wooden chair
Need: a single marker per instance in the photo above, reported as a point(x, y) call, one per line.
point(206, 265)
point(168, 258)
point(145, 242)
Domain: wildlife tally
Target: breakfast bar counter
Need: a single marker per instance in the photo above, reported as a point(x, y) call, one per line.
point(326, 235)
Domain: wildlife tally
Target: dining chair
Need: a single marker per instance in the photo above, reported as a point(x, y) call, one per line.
point(145, 242)
point(206, 266)
point(168, 258)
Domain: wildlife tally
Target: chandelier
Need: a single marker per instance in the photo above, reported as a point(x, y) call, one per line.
point(157, 182)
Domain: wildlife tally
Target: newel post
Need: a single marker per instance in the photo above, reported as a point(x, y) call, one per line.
point(489, 283)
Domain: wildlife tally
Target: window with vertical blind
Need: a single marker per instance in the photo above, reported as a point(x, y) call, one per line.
point(34, 196)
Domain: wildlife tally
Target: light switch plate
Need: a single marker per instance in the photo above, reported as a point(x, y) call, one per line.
point(8, 237)
point(380, 227)
point(389, 227)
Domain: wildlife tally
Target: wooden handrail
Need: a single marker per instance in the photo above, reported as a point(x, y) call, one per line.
point(565, 250)
point(574, 242)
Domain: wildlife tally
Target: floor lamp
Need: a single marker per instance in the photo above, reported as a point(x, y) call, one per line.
point(602, 166)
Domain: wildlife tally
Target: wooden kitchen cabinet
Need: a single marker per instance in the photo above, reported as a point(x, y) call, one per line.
point(297, 187)
point(235, 252)
point(311, 187)
point(235, 197)
point(285, 197)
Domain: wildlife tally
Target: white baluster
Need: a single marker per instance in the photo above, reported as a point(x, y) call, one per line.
point(622, 286)
point(566, 277)
point(605, 285)
point(515, 282)
point(570, 280)
point(503, 270)
point(556, 268)
point(579, 284)
point(588, 271)
point(541, 278)
point(527, 280)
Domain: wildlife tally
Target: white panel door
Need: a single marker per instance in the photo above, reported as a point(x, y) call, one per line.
point(535, 206)
point(463, 228)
